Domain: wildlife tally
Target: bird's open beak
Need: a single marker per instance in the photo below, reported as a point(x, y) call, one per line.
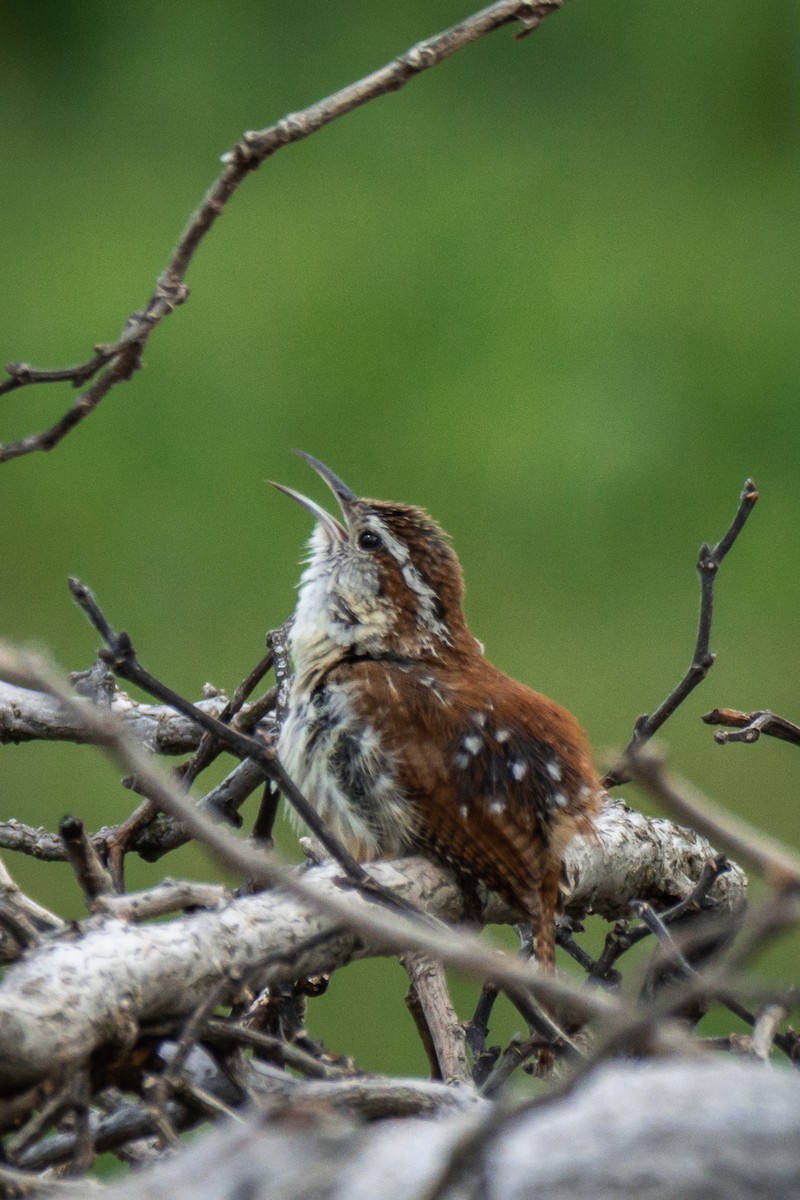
point(335, 530)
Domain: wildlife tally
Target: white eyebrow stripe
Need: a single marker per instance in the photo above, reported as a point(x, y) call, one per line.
point(428, 600)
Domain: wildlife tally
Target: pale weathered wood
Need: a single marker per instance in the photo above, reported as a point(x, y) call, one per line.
point(664, 1130)
point(66, 998)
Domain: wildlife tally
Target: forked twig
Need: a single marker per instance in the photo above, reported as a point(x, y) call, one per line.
point(120, 360)
point(708, 564)
point(750, 726)
point(121, 657)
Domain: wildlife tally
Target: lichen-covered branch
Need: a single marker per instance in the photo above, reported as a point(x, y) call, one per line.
point(27, 715)
point(73, 995)
point(664, 1129)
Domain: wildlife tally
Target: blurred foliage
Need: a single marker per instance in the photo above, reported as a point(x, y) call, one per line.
point(549, 291)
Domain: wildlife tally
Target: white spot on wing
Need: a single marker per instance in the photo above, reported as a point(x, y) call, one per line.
point(497, 805)
point(472, 744)
point(502, 736)
point(463, 811)
point(554, 771)
point(519, 769)
point(559, 800)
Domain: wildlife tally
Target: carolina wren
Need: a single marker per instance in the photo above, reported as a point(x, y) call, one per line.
point(399, 731)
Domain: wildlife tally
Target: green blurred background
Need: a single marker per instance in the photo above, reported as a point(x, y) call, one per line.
point(549, 291)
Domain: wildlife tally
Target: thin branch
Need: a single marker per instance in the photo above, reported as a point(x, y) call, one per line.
point(20, 928)
point(120, 360)
point(90, 873)
point(395, 930)
point(41, 917)
point(166, 897)
point(431, 1003)
point(622, 938)
point(27, 715)
point(765, 1030)
point(517, 1053)
point(171, 1077)
point(121, 657)
point(654, 924)
point(126, 835)
point(83, 1154)
point(208, 749)
point(708, 564)
point(750, 726)
point(25, 1183)
point(275, 1048)
point(775, 861)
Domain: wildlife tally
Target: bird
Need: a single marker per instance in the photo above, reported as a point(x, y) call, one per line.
point(404, 737)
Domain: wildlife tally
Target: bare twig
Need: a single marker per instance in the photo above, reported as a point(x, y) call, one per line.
point(367, 1096)
point(274, 1048)
point(40, 917)
point(447, 1035)
point(25, 1183)
point(122, 659)
point(27, 715)
point(208, 749)
point(120, 360)
point(171, 1077)
point(765, 1029)
point(398, 930)
point(621, 938)
point(92, 876)
point(19, 926)
point(772, 859)
point(708, 564)
point(83, 1153)
point(41, 1120)
point(484, 1057)
point(166, 897)
point(750, 726)
point(654, 924)
point(517, 1053)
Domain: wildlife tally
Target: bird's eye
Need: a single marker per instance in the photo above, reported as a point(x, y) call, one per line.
point(369, 540)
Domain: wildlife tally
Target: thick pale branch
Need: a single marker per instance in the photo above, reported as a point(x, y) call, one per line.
point(73, 995)
point(27, 715)
point(664, 1129)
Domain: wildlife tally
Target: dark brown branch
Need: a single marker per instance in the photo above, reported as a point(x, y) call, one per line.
point(622, 938)
point(125, 836)
point(750, 726)
point(127, 1123)
point(275, 1048)
point(208, 749)
point(170, 1079)
point(708, 564)
point(22, 930)
point(82, 856)
point(123, 358)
